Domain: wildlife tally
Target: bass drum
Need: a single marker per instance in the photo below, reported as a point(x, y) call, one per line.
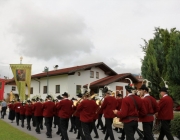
point(117, 123)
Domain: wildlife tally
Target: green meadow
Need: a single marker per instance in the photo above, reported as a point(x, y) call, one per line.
point(8, 132)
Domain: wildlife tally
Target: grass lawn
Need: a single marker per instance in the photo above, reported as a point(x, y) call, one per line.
point(8, 132)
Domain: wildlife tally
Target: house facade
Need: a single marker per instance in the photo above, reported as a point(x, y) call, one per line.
point(74, 80)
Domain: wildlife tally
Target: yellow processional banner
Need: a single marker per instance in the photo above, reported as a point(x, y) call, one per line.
point(22, 77)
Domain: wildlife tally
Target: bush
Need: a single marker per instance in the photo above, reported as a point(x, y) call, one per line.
point(175, 125)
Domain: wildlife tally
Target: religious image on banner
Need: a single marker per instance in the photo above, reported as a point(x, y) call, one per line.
point(0, 85)
point(20, 74)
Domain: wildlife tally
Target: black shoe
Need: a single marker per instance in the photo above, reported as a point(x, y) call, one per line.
point(38, 132)
point(54, 126)
point(57, 133)
point(96, 137)
point(121, 138)
point(77, 138)
point(49, 136)
point(70, 130)
point(75, 132)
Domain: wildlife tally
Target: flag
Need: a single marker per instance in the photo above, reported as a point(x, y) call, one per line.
point(22, 77)
point(2, 83)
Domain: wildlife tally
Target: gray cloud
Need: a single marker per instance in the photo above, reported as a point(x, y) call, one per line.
point(46, 36)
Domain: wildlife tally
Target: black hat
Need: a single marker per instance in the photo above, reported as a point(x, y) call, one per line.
point(48, 97)
point(119, 95)
point(86, 93)
point(59, 97)
point(129, 88)
point(18, 100)
point(33, 100)
point(65, 94)
point(163, 89)
point(79, 95)
point(143, 87)
point(28, 101)
point(105, 90)
point(73, 99)
point(37, 99)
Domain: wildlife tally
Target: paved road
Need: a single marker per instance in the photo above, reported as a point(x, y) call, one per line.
point(71, 135)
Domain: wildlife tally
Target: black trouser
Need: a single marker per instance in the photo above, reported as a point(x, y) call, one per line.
point(59, 126)
point(87, 129)
point(3, 111)
point(22, 116)
point(100, 123)
point(38, 120)
point(123, 134)
point(48, 122)
point(130, 129)
point(73, 124)
point(28, 117)
point(64, 126)
point(147, 129)
point(33, 121)
point(165, 130)
point(94, 128)
point(109, 132)
point(79, 127)
point(17, 117)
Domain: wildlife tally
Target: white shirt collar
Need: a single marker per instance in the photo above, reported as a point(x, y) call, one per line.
point(147, 94)
point(130, 94)
point(165, 95)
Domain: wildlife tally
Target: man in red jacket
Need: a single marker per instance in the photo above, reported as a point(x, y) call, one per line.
point(109, 104)
point(132, 107)
point(151, 108)
point(48, 113)
point(87, 111)
point(64, 112)
point(17, 110)
point(38, 114)
point(165, 114)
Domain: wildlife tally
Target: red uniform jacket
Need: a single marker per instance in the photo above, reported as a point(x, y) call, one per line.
point(177, 108)
point(151, 107)
point(49, 109)
point(11, 106)
point(22, 110)
point(37, 109)
point(64, 108)
point(119, 102)
point(165, 108)
point(128, 110)
point(17, 107)
point(28, 111)
point(109, 104)
point(87, 110)
point(75, 112)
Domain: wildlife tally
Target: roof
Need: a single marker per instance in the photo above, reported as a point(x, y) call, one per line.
point(72, 70)
point(110, 79)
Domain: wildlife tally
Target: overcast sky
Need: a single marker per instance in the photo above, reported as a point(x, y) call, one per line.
point(76, 32)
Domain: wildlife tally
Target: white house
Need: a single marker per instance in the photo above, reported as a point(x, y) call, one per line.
point(73, 79)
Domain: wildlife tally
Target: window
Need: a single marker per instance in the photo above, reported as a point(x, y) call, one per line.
point(45, 89)
point(13, 88)
point(78, 88)
point(79, 73)
point(57, 88)
point(91, 74)
point(97, 75)
point(31, 91)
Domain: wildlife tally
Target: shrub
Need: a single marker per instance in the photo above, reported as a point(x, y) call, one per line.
point(175, 125)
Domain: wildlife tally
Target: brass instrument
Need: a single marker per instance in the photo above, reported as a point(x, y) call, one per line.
point(99, 105)
point(117, 123)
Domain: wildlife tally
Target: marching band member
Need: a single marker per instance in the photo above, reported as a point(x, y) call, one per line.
point(77, 117)
point(109, 104)
point(48, 113)
point(64, 112)
point(100, 113)
point(28, 113)
point(38, 114)
point(165, 114)
point(59, 98)
point(87, 112)
point(132, 107)
point(72, 119)
point(22, 113)
point(95, 118)
point(11, 111)
point(151, 108)
point(17, 111)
